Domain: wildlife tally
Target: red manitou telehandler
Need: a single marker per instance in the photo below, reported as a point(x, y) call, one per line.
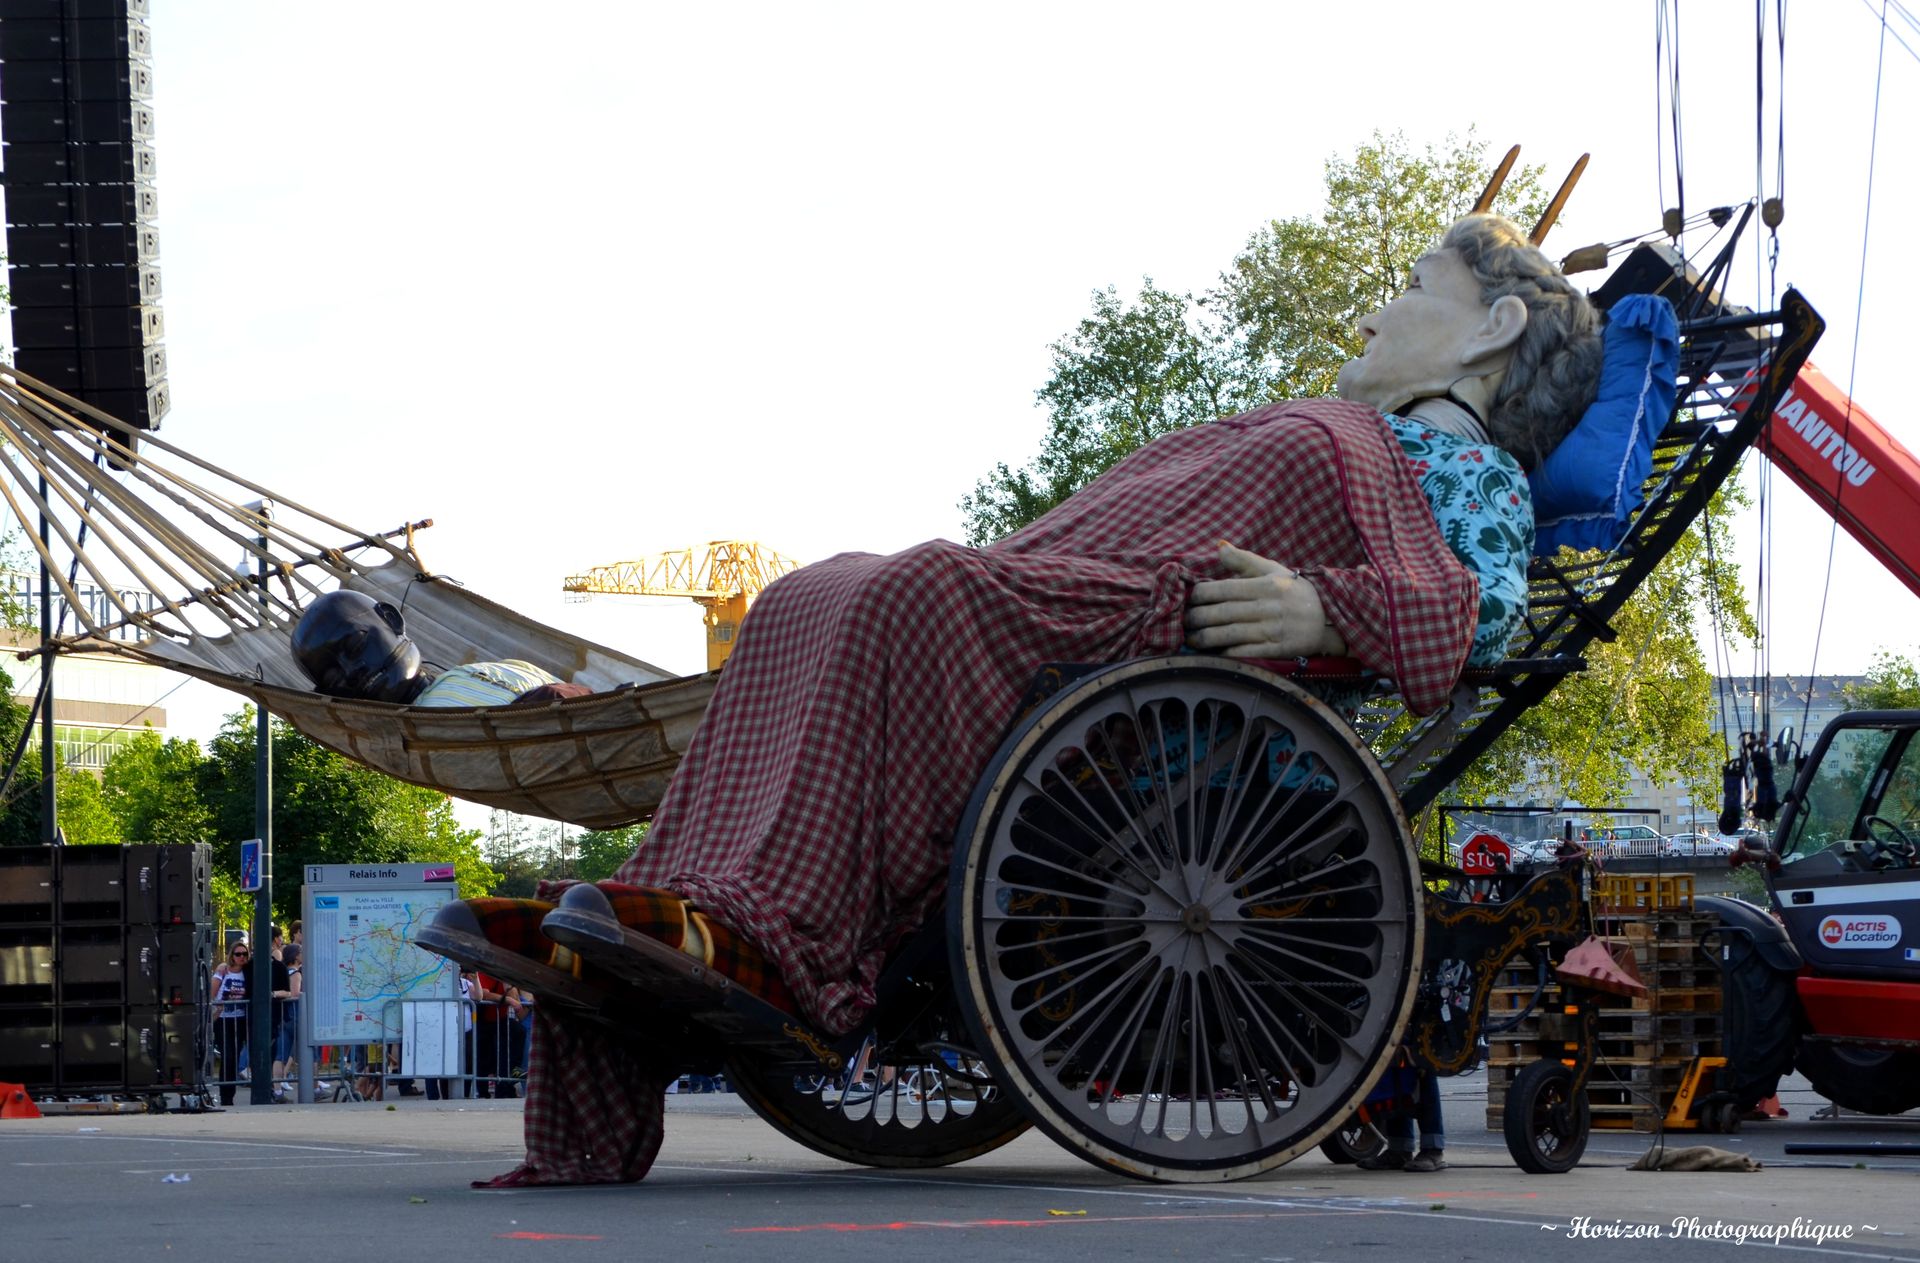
point(1827, 981)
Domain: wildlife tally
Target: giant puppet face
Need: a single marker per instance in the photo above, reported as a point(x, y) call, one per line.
point(353, 646)
point(1438, 337)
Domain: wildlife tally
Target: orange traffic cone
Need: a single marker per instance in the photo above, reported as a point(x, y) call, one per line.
point(1767, 1109)
point(15, 1103)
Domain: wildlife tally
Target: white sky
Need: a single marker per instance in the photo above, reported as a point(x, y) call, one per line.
point(582, 282)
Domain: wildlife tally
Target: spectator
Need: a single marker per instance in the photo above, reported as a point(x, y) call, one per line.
point(519, 1028)
point(286, 1020)
point(1399, 1154)
point(230, 1016)
point(492, 1015)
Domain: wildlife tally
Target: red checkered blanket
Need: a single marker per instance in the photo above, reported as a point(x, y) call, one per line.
point(815, 808)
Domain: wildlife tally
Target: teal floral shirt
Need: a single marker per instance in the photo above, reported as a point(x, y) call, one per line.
point(1479, 497)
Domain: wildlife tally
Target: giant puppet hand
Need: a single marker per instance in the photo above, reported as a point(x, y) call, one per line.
point(1266, 611)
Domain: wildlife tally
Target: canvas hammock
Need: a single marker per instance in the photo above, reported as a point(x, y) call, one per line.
point(142, 548)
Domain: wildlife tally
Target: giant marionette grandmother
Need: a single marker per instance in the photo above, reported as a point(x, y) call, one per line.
point(809, 827)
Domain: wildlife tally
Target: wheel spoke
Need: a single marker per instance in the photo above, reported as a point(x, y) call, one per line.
point(1091, 964)
point(1300, 998)
point(1102, 843)
point(1188, 883)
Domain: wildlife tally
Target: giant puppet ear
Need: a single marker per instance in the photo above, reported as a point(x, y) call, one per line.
point(1488, 346)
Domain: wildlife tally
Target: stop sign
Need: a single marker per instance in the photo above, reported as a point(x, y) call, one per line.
point(1485, 855)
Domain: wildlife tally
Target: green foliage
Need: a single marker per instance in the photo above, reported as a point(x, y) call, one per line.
point(84, 816)
point(152, 787)
point(526, 852)
point(326, 809)
point(603, 851)
point(1278, 326)
point(1644, 699)
point(522, 853)
point(232, 906)
point(20, 812)
point(1892, 683)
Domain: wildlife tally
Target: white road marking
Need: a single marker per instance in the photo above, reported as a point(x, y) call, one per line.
point(238, 1144)
point(1280, 1203)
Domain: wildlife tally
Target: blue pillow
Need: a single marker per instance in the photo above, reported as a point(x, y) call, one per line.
point(1588, 488)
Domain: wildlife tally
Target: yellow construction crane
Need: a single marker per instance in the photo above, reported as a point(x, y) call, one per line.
point(724, 577)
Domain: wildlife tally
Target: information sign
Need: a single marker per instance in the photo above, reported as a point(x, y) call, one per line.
point(362, 963)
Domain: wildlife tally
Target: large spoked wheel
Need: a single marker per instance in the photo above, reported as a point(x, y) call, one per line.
point(1185, 918)
point(921, 1112)
point(1546, 1121)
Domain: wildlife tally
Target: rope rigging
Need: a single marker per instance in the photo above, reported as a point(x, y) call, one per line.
point(148, 530)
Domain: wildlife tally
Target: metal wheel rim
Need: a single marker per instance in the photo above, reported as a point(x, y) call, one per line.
point(1180, 895)
point(1554, 1115)
point(921, 1113)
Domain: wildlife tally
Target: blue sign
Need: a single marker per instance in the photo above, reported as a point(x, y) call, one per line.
point(250, 864)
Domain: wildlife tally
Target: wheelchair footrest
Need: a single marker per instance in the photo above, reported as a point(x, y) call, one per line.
point(678, 987)
point(550, 985)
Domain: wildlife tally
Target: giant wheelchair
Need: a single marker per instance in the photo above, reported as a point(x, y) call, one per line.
point(1187, 927)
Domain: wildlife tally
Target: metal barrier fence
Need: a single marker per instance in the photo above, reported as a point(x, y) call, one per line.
point(446, 1049)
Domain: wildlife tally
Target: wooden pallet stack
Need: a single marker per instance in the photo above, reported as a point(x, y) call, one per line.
point(1645, 1044)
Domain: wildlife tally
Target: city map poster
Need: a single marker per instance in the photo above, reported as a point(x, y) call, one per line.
point(363, 962)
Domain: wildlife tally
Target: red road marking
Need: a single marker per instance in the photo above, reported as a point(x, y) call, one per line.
point(909, 1225)
point(542, 1236)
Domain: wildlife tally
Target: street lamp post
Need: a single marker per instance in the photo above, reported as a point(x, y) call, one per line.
point(260, 985)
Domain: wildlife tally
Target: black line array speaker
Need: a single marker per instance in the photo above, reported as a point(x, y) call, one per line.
point(83, 252)
point(106, 957)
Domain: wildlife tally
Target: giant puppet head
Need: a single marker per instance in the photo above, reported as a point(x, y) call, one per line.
point(351, 645)
point(1487, 322)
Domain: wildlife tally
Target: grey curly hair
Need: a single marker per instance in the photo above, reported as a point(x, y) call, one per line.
point(1556, 364)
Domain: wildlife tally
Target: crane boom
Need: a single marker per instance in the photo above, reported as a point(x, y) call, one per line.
point(1824, 442)
point(1863, 477)
point(724, 568)
point(724, 577)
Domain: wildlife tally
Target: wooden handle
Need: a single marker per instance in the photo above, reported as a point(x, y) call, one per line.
point(1493, 185)
point(1539, 233)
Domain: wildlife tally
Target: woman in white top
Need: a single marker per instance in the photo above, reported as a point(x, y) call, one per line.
point(230, 1016)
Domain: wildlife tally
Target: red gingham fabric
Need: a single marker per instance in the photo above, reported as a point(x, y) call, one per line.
point(815, 807)
point(594, 1111)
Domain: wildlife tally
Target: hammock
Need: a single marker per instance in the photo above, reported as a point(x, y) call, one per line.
point(141, 546)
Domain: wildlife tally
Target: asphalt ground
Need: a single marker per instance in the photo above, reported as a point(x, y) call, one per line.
point(366, 1181)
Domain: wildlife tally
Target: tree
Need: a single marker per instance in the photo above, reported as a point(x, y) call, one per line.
point(1892, 683)
point(152, 787)
point(330, 810)
point(20, 810)
point(1644, 700)
point(84, 816)
point(603, 851)
point(514, 848)
point(1279, 325)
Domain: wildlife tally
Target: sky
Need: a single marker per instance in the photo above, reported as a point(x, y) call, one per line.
point(592, 281)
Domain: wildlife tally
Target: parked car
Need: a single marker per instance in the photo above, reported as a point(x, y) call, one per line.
point(1628, 841)
point(1694, 845)
point(1535, 851)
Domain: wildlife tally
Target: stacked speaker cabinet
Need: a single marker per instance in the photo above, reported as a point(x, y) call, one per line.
point(105, 960)
point(83, 251)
